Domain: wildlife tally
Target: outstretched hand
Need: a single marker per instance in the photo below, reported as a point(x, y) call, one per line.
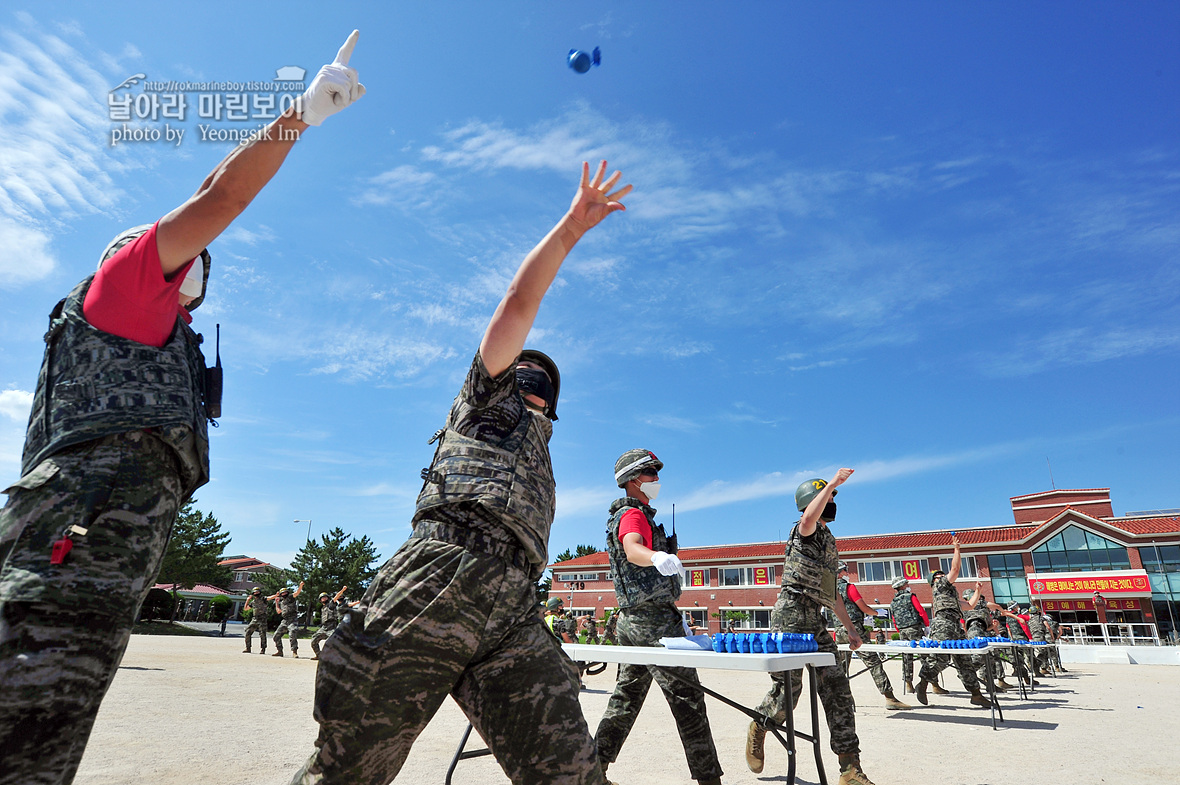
point(595, 200)
point(335, 87)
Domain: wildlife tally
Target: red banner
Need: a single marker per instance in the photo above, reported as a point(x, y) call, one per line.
point(761, 576)
point(698, 578)
point(1108, 584)
point(911, 570)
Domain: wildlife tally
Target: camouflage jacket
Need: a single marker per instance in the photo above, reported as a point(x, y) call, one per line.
point(946, 599)
point(491, 470)
point(810, 565)
point(286, 607)
point(979, 614)
point(94, 384)
point(329, 615)
point(635, 585)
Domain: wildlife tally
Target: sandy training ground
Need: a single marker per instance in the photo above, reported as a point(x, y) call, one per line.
point(196, 710)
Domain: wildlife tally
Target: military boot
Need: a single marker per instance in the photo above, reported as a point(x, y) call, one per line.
point(893, 703)
point(851, 772)
point(755, 747)
point(909, 685)
point(937, 689)
point(278, 653)
point(1003, 685)
point(921, 692)
point(246, 650)
point(977, 699)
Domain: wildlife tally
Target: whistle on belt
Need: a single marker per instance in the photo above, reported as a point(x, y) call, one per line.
point(62, 547)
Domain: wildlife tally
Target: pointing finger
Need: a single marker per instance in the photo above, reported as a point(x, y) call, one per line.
point(345, 53)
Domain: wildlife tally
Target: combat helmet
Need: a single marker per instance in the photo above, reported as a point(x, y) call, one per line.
point(188, 287)
point(550, 368)
point(256, 590)
point(325, 596)
point(632, 463)
point(808, 490)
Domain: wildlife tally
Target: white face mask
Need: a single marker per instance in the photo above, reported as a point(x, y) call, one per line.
point(650, 489)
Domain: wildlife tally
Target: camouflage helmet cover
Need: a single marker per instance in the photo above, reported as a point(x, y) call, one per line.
point(808, 490)
point(632, 463)
point(553, 603)
point(900, 583)
point(134, 232)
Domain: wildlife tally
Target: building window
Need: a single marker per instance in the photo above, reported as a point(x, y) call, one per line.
point(887, 571)
point(697, 617)
point(1162, 563)
point(1076, 550)
point(573, 577)
point(746, 576)
point(756, 619)
point(1007, 576)
point(966, 566)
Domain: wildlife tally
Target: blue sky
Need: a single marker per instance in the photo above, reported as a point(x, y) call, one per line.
point(934, 242)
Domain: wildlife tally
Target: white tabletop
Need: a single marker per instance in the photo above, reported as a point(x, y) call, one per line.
point(681, 658)
point(885, 648)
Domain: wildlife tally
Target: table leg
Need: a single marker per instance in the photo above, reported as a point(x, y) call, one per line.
point(461, 755)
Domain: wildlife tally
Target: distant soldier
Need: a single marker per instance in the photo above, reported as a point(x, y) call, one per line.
point(555, 620)
point(590, 624)
point(329, 619)
point(910, 619)
point(610, 632)
point(947, 626)
point(979, 625)
point(287, 608)
point(857, 609)
point(1039, 632)
point(1055, 651)
point(1016, 630)
point(256, 603)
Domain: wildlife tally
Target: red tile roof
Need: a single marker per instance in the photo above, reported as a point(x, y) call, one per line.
point(246, 562)
point(1164, 524)
point(1059, 492)
point(200, 588)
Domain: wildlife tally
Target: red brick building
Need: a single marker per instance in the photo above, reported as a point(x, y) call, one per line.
point(1062, 546)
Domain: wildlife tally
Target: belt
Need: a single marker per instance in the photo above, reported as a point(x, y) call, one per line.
point(472, 540)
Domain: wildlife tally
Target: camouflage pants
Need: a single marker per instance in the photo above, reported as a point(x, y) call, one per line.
point(795, 613)
point(944, 629)
point(256, 625)
point(1039, 654)
point(975, 630)
point(913, 633)
point(291, 628)
point(438, 620)
point(872, 662)
point(320, 636)
point(591, 636)
point(63, 628)
point(644, 625)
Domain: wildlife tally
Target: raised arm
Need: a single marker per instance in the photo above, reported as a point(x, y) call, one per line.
point(339, 594)
point(231, 186)
point(956, 560)
point(506, 333)
point(811, 514)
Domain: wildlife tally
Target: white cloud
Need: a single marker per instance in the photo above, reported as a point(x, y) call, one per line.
point(574, 502)
point(240, 234)
point(26, 256)
point(16, 405)
point(671, 423)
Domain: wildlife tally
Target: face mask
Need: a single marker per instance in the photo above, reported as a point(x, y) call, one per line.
point(534, 382)
point(829, 513)
point(650, 489)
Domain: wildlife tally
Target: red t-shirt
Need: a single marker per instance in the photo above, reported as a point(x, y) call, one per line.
point(130, 296)
point(921, 611)
point(853, 593)
point(635, 521)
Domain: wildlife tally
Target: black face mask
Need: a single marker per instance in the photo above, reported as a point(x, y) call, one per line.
point(534, 382)
point(829, 513)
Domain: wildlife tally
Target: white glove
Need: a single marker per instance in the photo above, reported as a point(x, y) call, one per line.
point(666, 563)
point(334, 87)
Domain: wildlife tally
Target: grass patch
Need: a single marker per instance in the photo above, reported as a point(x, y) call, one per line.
point(163, 628)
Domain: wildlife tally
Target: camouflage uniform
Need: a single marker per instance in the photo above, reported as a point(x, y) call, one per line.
point(1016, 633)
point(648, 610)
point(116, 441)
point(610, 633)
point(1036, 629)
point(808, 587)
point(872, 661)
point(909, 627)
point(591, 630)
point(454, 612)
point(329, 619)
point(289, 625)
point(257, 621)
point(945, 626)
point(978, 620)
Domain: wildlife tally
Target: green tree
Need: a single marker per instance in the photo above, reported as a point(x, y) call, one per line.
point(338, 559)
point(193, 552)
point(581, 550)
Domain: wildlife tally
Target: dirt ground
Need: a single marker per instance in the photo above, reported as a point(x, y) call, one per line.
point(198, 710)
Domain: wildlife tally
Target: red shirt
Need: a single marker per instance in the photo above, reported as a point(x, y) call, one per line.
point(854, 593)
point(130, 296)
point(635, 521)
point(921, 611)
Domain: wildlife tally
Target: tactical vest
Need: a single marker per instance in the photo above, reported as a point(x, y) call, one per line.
point(979, 614)
point(512, 480)
point(329, 615)
point(855, 614)
point(635, 585)
point(94, 384)
point(286, 607)
point(903, 611)
point(1036, 625)
point(946, 600)
point(810, 567)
